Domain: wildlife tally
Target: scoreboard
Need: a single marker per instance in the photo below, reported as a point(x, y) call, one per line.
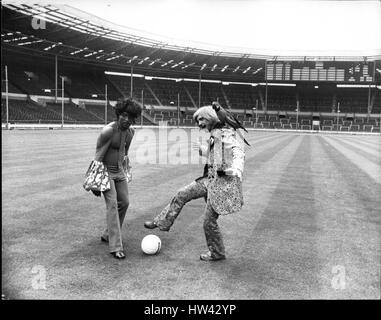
point(356, 72)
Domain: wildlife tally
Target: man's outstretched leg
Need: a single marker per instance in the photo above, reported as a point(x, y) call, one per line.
point(164, 220)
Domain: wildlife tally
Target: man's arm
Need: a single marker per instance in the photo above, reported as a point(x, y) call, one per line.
point(126, 161)
point(237, 153)
point(132, 130)
point(203, 151)
point(104, 137)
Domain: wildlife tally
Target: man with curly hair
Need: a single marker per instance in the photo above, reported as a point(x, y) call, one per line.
point(112, 148)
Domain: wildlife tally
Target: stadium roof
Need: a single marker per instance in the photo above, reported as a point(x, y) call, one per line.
point(269, 27)
point(74, 35)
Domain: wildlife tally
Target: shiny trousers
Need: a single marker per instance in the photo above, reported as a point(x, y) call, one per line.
point(117, 203)
point(195, 190)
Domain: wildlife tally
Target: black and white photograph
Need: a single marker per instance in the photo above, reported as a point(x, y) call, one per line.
point(205, 152)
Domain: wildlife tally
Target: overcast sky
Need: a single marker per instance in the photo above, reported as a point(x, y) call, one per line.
point(254, 26)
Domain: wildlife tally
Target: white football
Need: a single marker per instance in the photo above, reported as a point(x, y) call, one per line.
point(151, 244)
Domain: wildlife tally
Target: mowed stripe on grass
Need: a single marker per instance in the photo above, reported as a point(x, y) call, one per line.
point(242, 230)
point(370, 141)
point(280, 247)
point(371, 152)
point(371, 168)
point(346, 204)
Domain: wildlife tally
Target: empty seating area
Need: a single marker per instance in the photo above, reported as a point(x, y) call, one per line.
point(192, 89)
point(376, 97)
point(81, 87)
point(87, 82)
point(29, 111)
point(280, 98)
point(25, 111)
point(90, 84)
point(30, 82)
point(21, 111)
point(123, 87)
point(350, 124)
point(11, 87)
point(75, 113)
point(99, 111)
point(209, 92)
point(172, 117)
point(242, 97)
point(165, 91)
point(79, 82)
point(315, 98)
point(353, 100)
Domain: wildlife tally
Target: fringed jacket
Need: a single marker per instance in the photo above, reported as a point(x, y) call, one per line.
point(225, 164)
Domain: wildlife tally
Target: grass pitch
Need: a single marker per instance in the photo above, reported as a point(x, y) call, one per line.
point(309, 229)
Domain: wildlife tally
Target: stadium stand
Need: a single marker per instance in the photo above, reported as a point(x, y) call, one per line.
point(280, 98)
point(27, 111)
point(160, 87)
point(353, 100)
point(99, 111)
point(91, 83)
point(75, 113)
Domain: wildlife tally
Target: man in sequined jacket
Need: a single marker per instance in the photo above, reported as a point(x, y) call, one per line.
point(220, 185)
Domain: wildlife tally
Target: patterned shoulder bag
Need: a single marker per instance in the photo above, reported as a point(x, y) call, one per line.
point(97, 178)
point(225, 192)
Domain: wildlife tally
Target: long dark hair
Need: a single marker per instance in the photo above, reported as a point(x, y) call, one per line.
point(130, 106)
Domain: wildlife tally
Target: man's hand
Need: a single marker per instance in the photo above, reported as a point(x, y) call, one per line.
point(96, 193)
point(202, 150)
point(129, 175)
point(233, 172)
point(127, 168)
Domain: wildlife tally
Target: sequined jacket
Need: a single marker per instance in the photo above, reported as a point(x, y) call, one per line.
point(225, 152)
